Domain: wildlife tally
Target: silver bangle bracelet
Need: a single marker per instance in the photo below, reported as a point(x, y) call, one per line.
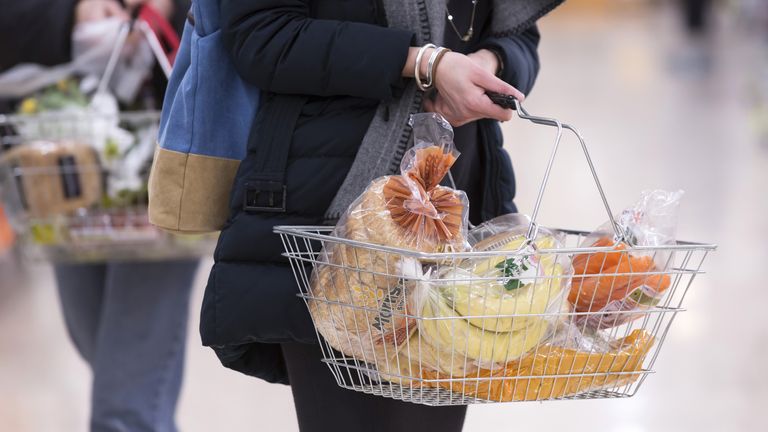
point(419, 57)
point(431, 66)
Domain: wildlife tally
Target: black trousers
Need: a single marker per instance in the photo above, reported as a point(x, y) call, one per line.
point(323, 406)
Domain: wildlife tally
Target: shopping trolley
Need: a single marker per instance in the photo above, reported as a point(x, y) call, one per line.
point(399, 348)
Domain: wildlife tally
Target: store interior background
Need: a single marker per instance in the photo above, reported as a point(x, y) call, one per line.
point(660, 108)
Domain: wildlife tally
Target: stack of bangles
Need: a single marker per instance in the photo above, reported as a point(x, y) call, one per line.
point(432, 63)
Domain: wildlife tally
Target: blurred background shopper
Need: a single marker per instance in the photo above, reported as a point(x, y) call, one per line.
point(128, 320)
point(337, 78)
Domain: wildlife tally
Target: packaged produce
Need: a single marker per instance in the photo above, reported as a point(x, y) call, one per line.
point(611, 284)
point(363, 298)
point(64, 111)
point(416, 356)
point(489, 310)
point(523, 282)
point(55, 177)
point(553, 371)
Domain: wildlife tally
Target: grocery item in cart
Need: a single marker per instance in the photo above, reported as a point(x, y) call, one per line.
point(361, 315)
point(554, 371)
point(523, 282)
point(411, 210)
point(55, 177)
point(362, 298)
point(492, 309)
point(617, 280)
point(584, 363)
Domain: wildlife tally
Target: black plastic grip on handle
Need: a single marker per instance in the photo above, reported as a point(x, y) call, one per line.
point(502, 100)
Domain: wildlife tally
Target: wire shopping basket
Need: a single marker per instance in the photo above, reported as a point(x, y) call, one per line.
point(74, 185)
point(436, 331)
point(75, 179)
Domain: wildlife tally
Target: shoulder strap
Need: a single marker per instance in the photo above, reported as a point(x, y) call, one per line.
point(265, 189)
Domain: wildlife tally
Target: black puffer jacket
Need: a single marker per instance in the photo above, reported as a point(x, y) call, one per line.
point(329, 63)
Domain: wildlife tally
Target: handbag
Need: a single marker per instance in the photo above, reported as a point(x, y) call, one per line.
point(204, 129)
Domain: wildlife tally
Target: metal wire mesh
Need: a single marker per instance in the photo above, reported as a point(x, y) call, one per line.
point(74, 185)
point(398, 346)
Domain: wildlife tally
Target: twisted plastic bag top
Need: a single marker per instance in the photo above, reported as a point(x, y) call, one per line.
point(416, 202)
point(624, 280)
point(367, 304)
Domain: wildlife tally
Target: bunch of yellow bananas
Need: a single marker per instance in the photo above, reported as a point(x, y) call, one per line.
point(479, 311)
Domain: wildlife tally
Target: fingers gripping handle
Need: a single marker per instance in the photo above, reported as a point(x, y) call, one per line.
point(510, 102)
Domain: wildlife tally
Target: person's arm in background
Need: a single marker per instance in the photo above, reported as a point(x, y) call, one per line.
point(35, 31)
point(40, 31)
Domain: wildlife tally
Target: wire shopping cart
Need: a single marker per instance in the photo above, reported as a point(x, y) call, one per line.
point(74, 185)
point(436, 334)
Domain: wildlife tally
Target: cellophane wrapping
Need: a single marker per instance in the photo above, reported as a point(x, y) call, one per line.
point(363, 299)
point(611, 285)
point(486, 311)
point(555, 370)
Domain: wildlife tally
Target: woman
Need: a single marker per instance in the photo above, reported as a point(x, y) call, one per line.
point(338, 90)
point(128, 320)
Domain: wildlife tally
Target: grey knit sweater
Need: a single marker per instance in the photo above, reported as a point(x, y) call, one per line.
point(389, 134)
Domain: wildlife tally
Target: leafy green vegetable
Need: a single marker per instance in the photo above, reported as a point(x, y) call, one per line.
point(511, 269)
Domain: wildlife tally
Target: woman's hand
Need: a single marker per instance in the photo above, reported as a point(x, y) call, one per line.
point(461, 83)
point(486, 59)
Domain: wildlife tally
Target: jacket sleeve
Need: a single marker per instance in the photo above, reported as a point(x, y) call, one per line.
point(36, 31)
point(519, 53)
point(276, 46)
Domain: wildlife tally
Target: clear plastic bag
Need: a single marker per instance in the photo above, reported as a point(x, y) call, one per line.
point(555, 370)
point(364, 298)
point(617, 281)
point(564, 362)
point(411, 210)
point(486, 311)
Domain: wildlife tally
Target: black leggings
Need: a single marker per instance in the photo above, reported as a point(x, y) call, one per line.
point(323, 406)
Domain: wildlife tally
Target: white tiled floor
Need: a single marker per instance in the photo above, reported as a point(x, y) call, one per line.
point(653, 118)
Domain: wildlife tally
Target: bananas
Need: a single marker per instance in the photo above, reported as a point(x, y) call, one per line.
point(420, 351)
point(490, 299)
point(477, 289)
point(446, 330)
point(503, 320)
point(418, 356)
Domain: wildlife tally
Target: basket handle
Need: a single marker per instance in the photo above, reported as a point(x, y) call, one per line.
point(140, 23)
point(534, 227)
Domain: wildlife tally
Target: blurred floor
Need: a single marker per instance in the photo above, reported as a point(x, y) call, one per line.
point(658, 110)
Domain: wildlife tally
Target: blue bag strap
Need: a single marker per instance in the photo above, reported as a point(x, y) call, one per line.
point(265, 189)
point(206, 16)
